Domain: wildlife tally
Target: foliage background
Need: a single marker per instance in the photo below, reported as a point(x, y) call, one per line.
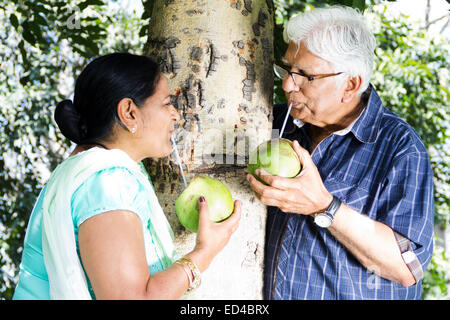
point(46, 43)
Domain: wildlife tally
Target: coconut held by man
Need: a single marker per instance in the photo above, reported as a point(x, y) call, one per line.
point(277, 157)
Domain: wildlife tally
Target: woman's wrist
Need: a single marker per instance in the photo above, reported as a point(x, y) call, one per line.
point(201, 258)
point(192, 271)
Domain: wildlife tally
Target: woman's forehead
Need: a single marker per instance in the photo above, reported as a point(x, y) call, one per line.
point(162, 88)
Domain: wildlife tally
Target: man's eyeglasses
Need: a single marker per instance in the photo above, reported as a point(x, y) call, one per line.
point(282, 72)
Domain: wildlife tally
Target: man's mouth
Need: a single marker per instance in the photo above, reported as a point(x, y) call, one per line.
point(295, 104)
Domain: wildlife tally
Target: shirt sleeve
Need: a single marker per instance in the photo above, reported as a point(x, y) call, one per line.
point(108, 190)
point(409, 257)
point(406, 204)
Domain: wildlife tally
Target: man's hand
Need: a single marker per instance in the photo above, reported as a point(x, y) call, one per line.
point(304, 194)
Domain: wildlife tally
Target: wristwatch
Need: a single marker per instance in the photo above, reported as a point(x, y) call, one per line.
point(325, 219)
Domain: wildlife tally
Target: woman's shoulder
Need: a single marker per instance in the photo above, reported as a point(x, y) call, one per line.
point(115, 188)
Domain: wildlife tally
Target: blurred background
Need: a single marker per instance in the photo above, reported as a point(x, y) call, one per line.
point(44, 45)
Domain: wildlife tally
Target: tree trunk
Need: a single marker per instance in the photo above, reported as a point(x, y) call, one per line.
point(217, 56)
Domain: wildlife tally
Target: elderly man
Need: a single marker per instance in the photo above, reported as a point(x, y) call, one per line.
point(357, 222)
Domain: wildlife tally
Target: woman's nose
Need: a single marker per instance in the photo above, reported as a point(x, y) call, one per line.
point(175, 114)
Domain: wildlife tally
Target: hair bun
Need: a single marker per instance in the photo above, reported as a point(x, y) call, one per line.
point(68, 120)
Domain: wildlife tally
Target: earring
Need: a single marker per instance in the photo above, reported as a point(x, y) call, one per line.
point(133, 130)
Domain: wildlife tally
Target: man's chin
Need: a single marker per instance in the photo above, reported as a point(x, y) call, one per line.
point(298, 111)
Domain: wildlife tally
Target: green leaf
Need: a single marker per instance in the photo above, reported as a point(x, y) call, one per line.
point(24, 80)
point(36, 30)
point(359, 4)
point(14, 21)
point(41, 20)
point(144, 30)
point(87, 3)
point(22, 51)
point(27, 34)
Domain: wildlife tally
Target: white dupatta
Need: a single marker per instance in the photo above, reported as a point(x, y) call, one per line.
point(65, 273)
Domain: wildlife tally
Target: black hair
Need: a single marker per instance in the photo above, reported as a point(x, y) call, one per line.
point(101, 85)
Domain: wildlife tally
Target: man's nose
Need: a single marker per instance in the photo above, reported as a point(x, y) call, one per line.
point(289, 85)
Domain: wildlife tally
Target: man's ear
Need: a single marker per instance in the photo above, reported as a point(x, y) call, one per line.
point(353, 85)
point(126, 111)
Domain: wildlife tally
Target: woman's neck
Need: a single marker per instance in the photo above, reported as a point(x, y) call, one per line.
point(86, 146)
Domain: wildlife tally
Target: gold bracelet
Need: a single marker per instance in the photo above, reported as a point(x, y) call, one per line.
point(185, 271)
point(195, 283)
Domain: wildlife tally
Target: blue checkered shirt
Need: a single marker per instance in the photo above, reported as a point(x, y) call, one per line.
point(379, 168)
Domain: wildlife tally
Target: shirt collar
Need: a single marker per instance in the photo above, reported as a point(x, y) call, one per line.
point(365, 126)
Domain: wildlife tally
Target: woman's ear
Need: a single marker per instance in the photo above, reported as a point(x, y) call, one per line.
point(352, 88)
point(126, 111)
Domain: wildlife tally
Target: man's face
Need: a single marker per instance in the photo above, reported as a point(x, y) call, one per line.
point(317, 102)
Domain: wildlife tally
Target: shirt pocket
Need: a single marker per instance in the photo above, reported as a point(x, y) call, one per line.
point(352, 193)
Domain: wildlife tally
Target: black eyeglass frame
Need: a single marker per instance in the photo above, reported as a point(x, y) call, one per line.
point(301, 73)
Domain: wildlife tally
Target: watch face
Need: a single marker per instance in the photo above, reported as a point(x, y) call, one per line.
point(323, 220)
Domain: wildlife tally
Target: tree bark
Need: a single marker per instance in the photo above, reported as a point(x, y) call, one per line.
point(217, 56)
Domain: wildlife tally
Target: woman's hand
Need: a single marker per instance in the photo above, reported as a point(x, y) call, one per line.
point(304, 194)
point(213, 236)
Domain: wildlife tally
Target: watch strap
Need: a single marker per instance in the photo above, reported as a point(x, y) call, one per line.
point(333, 207)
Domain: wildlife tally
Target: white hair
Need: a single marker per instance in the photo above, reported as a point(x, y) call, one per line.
point(338, 35)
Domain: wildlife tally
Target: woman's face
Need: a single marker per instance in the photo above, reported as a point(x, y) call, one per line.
point(158, 118)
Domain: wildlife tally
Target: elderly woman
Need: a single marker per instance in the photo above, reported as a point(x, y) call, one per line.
point(357, 222)
point(97, 229)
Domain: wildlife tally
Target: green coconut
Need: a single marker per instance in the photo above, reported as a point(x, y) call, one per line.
point(218, 198)
point(277, 157)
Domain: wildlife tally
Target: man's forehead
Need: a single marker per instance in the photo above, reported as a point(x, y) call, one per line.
point(297, 55)
point(292, 51)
